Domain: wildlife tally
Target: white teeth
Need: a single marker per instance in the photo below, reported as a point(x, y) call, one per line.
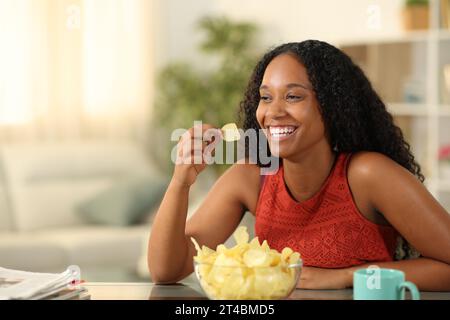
point(281, 131)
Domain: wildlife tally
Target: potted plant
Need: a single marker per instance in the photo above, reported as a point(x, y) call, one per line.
point(187, 93)
point(444, 159)
point(416, 15)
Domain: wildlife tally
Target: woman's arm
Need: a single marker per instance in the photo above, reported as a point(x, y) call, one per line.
point(414, 213)
point(382, 185)
point(168, 246)
point(170, 250)
point(427, 274)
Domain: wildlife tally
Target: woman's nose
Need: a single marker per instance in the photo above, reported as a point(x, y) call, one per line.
point(276, 109)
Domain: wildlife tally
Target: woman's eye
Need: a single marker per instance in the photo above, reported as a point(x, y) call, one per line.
point(265, 98)
point(293, 97)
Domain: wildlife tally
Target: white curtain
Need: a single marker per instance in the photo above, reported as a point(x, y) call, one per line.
point(74, 69)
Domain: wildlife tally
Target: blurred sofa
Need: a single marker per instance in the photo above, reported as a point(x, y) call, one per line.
point(45, 190)
point(43, 186)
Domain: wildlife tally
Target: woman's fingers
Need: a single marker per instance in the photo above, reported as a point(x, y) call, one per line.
point(196, 146)
point(192, 153)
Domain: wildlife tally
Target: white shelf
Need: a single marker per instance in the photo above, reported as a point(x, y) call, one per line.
point(427, 45)
point(439, 185)
point(444, 185)
point(407, 109)
point(417, 110)
point(404, 37)
point(412, 36)
point(444, 34)
point(444, 110)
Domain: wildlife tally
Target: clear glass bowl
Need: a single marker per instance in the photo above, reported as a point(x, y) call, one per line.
point(247, 283)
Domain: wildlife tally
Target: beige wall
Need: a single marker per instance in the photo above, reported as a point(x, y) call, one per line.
point(75, 68)
point(281, 21)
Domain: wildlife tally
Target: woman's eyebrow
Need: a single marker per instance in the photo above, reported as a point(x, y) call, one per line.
point(289, 86)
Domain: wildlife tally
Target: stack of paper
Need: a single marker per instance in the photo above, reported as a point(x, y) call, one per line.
point(16, 284)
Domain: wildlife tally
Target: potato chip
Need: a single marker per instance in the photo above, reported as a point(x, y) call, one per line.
point(255, 243)
point(265, 245)
point(241, 235)
point(207, 251)
point(294, 258)
point(249, 270)
point(221, 248)
point(230, 132)
point(286, 253)
point(256, 258)
point(275, 257)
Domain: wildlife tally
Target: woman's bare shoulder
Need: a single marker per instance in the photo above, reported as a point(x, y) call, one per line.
point(369, 164)
point(248, 170)
point(243, 179)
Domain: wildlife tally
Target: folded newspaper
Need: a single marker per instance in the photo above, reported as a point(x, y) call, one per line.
point(16, 284)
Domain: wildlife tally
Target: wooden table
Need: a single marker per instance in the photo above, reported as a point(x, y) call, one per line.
point(191, 291)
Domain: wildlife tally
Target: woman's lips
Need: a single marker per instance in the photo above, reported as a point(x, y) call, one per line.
point(280, 133)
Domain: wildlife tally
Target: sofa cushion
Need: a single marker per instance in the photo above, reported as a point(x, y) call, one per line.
point(100, 246)
point(129, 201)
point(6, 219)
point(29, 252)
point(46, 181)
point(52, 204)
point(87, 247)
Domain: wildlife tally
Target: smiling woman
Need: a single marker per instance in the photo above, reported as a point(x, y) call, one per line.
point(288, 104)
point(347, 190)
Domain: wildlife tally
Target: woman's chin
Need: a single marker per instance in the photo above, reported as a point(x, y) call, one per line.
point(280, 153)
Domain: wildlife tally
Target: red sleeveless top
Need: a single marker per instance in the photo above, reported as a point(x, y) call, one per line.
point(327, 230)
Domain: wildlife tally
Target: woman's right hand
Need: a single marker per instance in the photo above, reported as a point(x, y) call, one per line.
point(194, 151)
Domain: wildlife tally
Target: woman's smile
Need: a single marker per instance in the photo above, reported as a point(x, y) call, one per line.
point(280, 133)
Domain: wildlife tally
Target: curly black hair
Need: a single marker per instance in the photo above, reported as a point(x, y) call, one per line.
point(354, 116)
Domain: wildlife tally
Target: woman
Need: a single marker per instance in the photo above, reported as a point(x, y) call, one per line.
point(348, 186)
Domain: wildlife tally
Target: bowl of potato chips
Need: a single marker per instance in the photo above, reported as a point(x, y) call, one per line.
point(248, 271)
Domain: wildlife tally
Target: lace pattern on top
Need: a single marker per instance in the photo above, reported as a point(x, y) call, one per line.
point(328, 230)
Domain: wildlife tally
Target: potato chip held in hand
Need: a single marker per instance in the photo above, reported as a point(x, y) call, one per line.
point(230, 132)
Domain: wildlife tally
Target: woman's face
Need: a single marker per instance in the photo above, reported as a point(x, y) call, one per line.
point(288, 110)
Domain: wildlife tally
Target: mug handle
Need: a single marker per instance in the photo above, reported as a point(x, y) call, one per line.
point(415, 294)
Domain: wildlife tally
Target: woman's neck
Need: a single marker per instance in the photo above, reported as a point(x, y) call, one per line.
point(305, 176)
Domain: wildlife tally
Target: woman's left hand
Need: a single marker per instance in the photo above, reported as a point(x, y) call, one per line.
point(319, 278)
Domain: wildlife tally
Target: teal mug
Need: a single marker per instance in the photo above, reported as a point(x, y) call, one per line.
point(376, 283)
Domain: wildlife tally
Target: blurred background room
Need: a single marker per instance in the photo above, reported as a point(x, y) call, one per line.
point(91, 90)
